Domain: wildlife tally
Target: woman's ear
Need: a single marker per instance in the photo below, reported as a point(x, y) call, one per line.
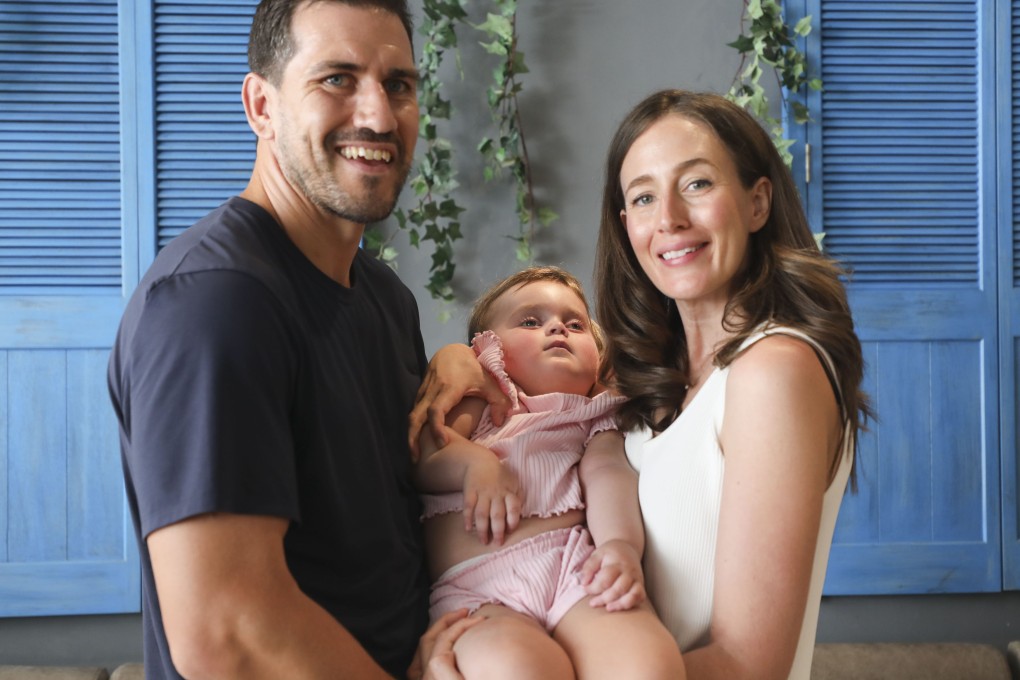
point(257, 95)
point(761, 203)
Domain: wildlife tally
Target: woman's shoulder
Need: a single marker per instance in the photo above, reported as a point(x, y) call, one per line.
point(779, 360)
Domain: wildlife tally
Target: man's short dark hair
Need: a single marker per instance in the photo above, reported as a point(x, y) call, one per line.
point(270, 44)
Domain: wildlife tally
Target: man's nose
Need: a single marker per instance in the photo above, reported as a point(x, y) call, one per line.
point(373, 109)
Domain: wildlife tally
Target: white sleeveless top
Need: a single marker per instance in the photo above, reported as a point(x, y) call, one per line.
point(680, 490)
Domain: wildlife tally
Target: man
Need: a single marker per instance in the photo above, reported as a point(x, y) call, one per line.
point(263, 373)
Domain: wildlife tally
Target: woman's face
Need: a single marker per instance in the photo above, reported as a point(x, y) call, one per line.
point(688, 217)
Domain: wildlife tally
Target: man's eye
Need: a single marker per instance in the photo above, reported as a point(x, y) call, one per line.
point(398, 87)
point(338, 79)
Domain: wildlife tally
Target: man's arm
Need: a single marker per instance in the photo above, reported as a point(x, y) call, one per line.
point(231, 608)
point(453, 373)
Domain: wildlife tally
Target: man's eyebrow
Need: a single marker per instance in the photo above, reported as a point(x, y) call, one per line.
point(353, 67)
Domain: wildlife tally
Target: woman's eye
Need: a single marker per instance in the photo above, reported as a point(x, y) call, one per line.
point(642, 200)
point(699, 184)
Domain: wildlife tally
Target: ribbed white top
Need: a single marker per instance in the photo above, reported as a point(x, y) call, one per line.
point(680, 489)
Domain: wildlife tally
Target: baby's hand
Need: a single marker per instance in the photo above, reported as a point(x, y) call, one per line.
point(492, 500)
point(613, 576)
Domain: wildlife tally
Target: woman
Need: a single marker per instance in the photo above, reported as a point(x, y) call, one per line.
point(734, 345)
point(736, 349)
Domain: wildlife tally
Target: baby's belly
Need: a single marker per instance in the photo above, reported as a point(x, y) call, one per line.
point(447, 544)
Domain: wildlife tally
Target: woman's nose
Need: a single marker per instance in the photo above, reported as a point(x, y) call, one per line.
point(673, 213)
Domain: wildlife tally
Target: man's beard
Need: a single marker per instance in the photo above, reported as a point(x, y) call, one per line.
point(324, 190)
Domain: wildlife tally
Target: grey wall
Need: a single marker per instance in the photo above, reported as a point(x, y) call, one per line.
point(590, 61)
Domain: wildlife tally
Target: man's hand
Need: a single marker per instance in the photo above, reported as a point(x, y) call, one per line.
point(435, 659)
point(453, 373)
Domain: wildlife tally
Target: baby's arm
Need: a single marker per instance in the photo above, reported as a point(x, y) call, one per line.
point(492, 502)
point(613, 573)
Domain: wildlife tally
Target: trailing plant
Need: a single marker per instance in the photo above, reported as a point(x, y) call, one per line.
point(435, 215)
point(508, 151)
point(769, 41)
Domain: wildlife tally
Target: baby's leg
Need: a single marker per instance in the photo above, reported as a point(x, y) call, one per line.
point(611, 645)
point(511, 646)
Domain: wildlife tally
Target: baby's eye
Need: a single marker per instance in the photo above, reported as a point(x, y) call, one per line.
point(576, 326)
point(529, 323)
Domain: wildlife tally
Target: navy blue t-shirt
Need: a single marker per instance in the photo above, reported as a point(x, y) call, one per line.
point(247, 381)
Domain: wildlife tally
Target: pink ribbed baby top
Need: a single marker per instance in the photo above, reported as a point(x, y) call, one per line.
point(541, 440)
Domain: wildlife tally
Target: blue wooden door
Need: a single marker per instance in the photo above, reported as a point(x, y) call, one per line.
point(65, 545)
point(903, 146)
point(120, 124)
point(1008, 184)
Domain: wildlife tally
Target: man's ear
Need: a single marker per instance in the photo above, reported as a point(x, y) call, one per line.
point(258, 97)
point(761, 203)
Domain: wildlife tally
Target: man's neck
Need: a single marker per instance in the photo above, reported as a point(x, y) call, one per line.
point(329, 242)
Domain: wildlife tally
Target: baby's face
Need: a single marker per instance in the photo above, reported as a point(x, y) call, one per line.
point(547, 339)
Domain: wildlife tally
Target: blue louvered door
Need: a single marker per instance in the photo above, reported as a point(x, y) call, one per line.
point(1008, 182)
point(64, 544)
point(120, 124)
point(903, 150)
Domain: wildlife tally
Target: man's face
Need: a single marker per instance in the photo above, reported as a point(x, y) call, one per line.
point(346, 111)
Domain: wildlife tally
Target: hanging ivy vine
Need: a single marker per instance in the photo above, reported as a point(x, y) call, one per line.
point(435, 215)
point(765, 41)
point(769, 42)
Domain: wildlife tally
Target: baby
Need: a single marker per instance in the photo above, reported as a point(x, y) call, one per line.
point(505, 508)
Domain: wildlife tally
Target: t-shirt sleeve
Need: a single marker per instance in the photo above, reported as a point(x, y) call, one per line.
point(211, 374)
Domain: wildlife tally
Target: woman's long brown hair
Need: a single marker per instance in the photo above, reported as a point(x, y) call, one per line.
point(788, 281)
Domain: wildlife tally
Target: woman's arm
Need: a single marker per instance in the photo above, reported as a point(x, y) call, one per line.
point(780, 430)
point(613, 573)
point(453, 373)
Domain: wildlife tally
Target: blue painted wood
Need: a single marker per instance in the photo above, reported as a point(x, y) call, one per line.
point(1008, 185)
point(204, 147)
point(95, 507)
point(65, 268)
point(904, 436)
point(37, 432)
point(53, 588)
point(903, 137)
point(958, 457)
point(4, 457)
point(33, 321)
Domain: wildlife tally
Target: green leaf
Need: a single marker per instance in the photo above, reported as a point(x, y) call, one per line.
point(803, 27)
point(742, 44)
point(497, 26)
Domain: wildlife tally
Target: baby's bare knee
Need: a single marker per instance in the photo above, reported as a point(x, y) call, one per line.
point(505, 648)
